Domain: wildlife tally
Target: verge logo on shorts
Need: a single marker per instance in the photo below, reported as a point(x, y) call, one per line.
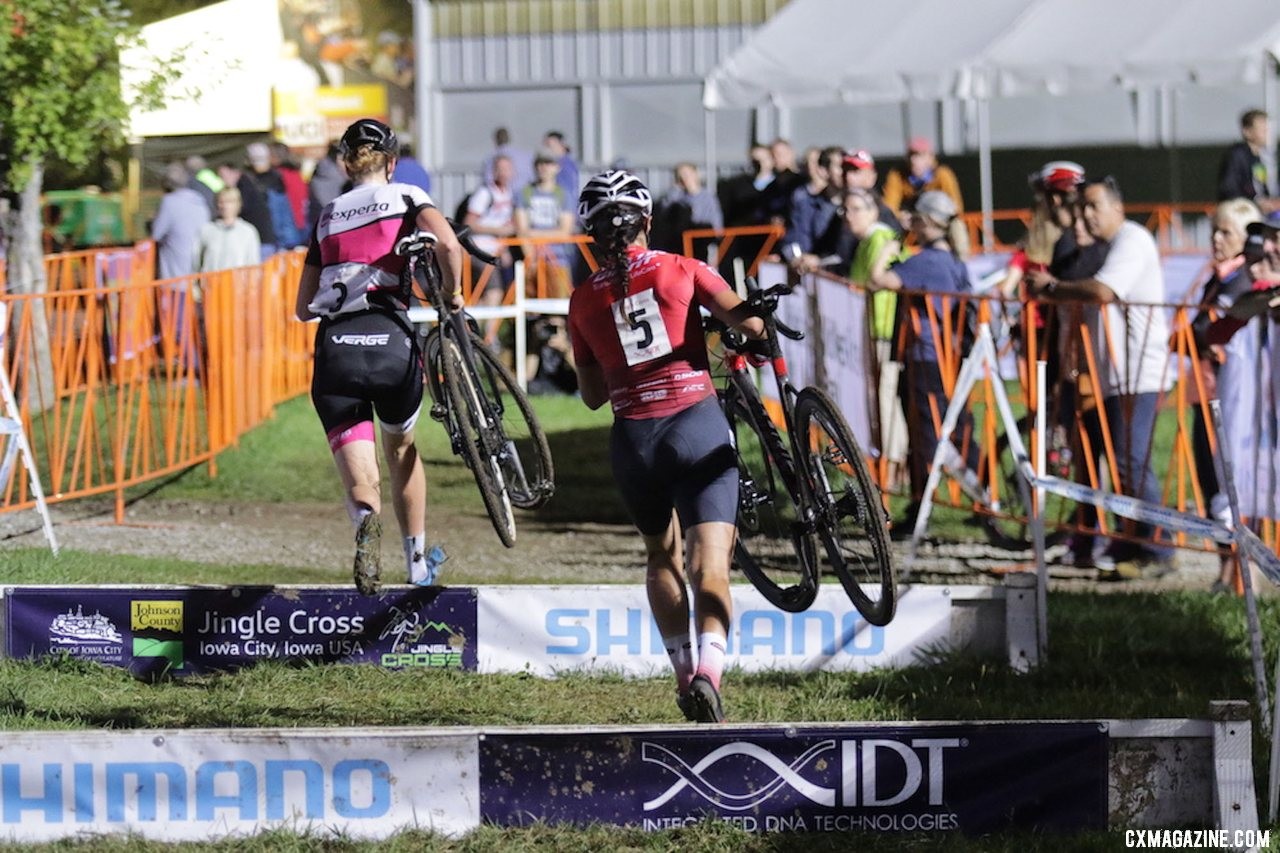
point(362, 340)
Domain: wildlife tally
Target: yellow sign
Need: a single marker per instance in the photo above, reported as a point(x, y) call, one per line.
point(307, 117)
point(156, 616)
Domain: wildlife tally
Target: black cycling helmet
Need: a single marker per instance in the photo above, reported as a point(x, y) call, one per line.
point(614, 188)
point(370, 131)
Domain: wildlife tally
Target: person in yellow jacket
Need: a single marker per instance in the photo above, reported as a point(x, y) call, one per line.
point(924, 173)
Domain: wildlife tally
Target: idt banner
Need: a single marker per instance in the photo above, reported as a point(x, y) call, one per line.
point(971, 778)
point(194, 630)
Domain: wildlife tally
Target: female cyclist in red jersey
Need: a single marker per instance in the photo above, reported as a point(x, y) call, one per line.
point(367, 358)
point(639, 344)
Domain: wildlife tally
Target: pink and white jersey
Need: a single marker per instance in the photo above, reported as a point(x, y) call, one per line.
point(650, 344)
point(354, 246)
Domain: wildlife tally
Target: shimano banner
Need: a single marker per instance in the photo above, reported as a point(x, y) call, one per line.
point(198, 785)
point(972, 778)
point(546, 630)
point(184, 630)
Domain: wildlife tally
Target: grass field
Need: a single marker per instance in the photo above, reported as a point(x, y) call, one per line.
point(1111, 656)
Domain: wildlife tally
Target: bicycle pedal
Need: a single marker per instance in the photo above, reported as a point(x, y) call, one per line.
point(438, 411)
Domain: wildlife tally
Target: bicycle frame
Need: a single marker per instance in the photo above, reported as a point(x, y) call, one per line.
point(737, 365)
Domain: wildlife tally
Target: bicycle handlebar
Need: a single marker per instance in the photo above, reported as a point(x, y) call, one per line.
point(419, 241)
point(765, 302)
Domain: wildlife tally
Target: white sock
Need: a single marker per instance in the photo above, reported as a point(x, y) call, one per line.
point(711, 648)
point(356, 512)
point(680, 649)
point(415, 557)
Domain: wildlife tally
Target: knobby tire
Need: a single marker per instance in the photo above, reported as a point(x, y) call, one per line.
point(849, 510)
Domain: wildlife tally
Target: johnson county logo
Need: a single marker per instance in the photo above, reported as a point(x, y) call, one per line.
point(156, 615)
point(157, 631)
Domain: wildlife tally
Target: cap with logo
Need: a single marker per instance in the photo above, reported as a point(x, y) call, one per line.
point(859, 159)
point(919, 145)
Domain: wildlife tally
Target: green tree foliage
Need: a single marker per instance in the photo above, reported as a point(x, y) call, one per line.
point(62, 102)
point(60, 60)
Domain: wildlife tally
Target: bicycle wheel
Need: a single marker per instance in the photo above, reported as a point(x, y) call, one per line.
point(525, 456)
point(776, 548)
point(850, 513)
point(471, 429)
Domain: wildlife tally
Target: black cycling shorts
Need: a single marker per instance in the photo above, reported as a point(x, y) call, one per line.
point(365, 363)
point(685, 461)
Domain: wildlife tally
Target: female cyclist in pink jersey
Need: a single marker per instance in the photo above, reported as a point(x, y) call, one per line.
point(639, 344)
point(367, 358)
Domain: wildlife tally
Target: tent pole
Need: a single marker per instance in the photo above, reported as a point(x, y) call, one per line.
point(711, 167)
point(1268, 82)
point(984, 173)
point(424, 124)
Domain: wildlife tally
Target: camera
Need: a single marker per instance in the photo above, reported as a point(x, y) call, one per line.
point(1254, 249)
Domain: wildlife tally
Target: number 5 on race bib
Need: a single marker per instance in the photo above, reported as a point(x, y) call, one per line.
point(641, 331)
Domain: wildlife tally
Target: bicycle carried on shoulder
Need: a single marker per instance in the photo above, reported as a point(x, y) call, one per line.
point(807, 504)
point(489, 419)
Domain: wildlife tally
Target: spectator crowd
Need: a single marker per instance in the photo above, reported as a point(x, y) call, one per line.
point(1089, 281)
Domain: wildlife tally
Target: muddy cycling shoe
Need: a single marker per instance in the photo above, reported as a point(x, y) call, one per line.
point(685, 703)
point(704, 701)
point(368, 563)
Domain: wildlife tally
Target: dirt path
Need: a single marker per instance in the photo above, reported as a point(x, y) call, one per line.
point(317, 536)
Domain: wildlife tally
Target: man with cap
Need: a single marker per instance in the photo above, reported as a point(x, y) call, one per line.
point(924, 173)
point(1129, 333)
point(860, 173)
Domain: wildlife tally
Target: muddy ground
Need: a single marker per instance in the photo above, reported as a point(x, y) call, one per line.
point(317, 536)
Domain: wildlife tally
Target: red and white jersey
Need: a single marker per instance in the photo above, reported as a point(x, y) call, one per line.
point(651, 344)
point(354, 246)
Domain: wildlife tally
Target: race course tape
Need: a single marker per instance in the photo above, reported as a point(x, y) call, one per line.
point(1138, 510)
point(1257, 551)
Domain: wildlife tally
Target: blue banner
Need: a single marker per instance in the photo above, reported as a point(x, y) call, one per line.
point(185, 631)
point(970, 778)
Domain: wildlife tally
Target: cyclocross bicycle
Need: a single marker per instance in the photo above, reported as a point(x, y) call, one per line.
point(807, 504)
point(490, 422)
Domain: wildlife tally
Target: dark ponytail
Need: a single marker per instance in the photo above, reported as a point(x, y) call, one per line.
point(614, 229)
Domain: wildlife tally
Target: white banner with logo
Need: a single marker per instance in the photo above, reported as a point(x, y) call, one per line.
point(197, 785)
point(833, 318)
point(552, 629)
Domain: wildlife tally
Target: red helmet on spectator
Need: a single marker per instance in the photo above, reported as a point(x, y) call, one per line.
point(1058, 176)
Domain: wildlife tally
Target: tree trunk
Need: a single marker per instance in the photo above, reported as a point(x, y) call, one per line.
point(25, 274)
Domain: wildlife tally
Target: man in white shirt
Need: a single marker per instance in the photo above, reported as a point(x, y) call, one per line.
point(1129, 333)
point(491, 217)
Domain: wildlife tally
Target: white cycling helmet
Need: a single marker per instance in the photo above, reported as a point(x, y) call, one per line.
point(613, 187)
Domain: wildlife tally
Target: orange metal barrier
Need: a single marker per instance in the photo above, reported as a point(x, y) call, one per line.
point(129, 379)
point(124, 383)
point(97, 267)
point(753, 243)
point(1074, 351)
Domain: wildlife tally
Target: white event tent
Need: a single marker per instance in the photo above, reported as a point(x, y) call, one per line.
point(831, 52)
